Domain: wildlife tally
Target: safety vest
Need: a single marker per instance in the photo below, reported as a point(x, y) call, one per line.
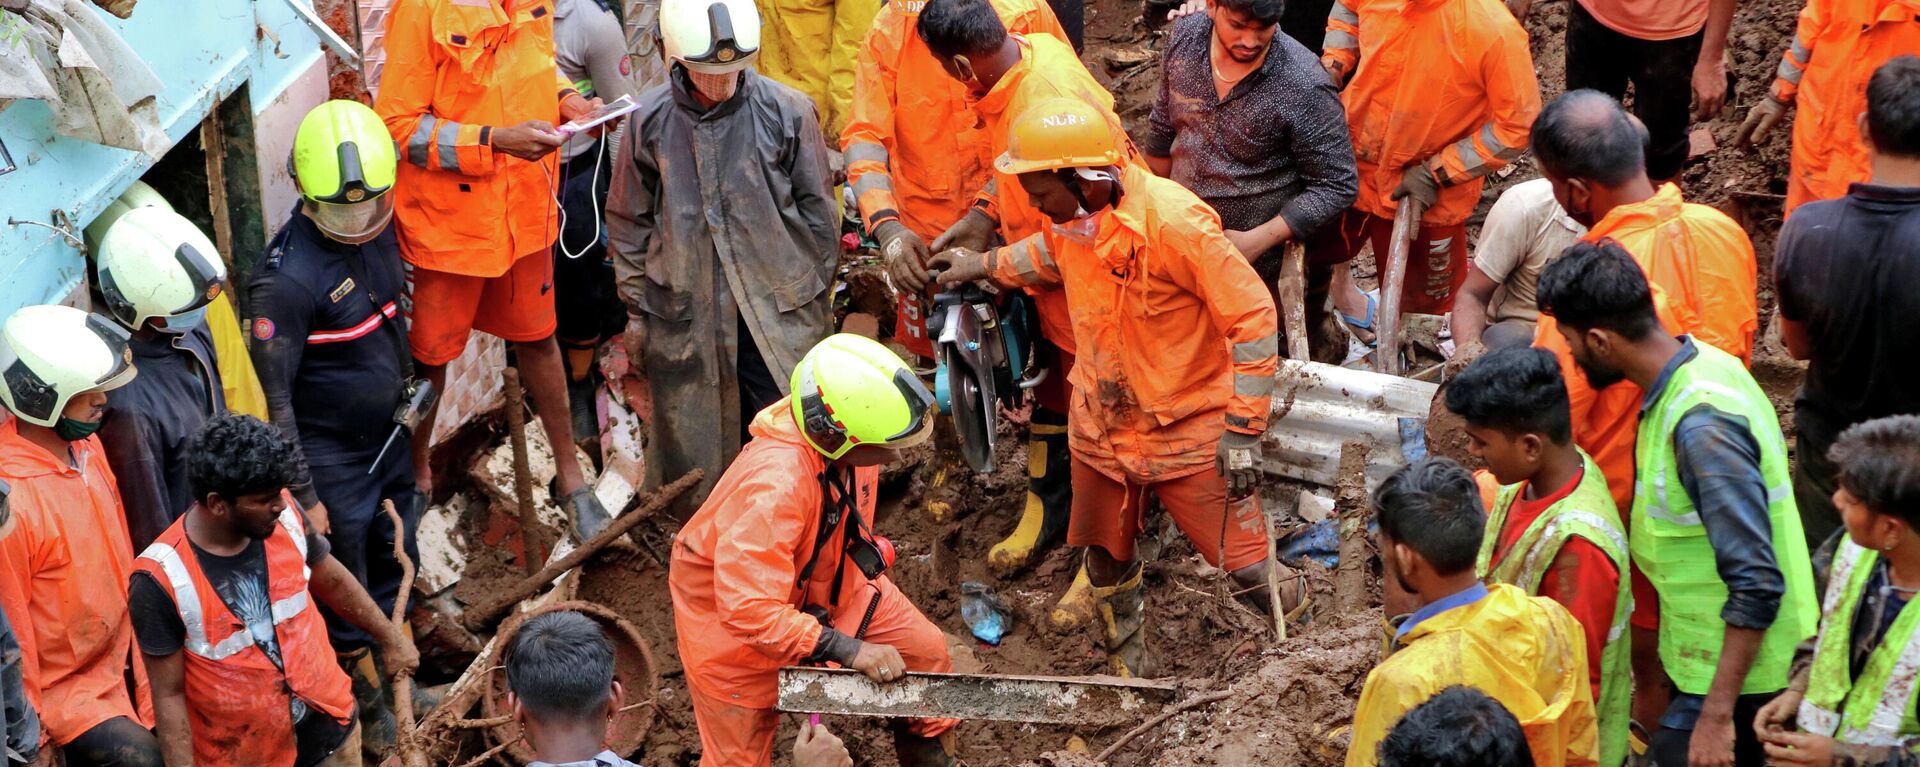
point(238, 701)
point(1587, 513)
point(1670, 544)
point(1877, 708)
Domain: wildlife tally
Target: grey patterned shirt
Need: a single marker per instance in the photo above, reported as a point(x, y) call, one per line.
point(1277, 145)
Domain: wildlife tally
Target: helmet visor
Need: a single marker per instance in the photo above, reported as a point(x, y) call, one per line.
point(353, 222)
point(920, 402)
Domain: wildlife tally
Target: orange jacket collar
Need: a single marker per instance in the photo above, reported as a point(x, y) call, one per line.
point(1002, 92)
point(21, 458)
point(1664, 204)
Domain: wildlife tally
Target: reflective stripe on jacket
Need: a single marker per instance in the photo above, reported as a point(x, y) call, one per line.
point(238, 700)
point(1875, 709)
point(1181, 341)
point(1587, 513)
point(1048, 69)
point(1524, 651)
point(1447, 83)
point(1701, 266)
point(457, 69)
point(1836, 47)
point(1670, 543)
point(915, 149)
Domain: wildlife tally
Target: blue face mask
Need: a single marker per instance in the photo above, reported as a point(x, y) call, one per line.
point(182, 323)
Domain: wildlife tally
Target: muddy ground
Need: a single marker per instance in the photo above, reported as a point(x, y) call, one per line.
point(1284, 705)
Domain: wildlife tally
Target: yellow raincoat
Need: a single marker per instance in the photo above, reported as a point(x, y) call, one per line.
point(1526, 652)
point(813, 46)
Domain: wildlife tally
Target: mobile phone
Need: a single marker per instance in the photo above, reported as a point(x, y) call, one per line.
point(609, 111)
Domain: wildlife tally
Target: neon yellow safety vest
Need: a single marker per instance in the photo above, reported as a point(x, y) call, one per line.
point(1670, 544)
point(1587, 513)
point(1877, 708)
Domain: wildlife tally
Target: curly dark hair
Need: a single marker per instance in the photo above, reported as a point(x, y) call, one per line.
point(235, 455)
point(1459, 727)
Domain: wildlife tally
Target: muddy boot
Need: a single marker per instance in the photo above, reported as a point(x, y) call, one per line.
point(1123, 607)
point(917, 751)
point(588, 516)
point(378, 731)
point(1049, 500)
point(1078, 607)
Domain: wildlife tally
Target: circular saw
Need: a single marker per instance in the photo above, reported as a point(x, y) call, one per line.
point(984, 350)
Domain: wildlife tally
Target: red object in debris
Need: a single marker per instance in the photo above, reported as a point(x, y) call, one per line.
point(886, 549)
point(849, 242)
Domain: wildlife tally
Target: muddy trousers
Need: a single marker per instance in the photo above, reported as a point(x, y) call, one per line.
point(117, 742)
point(362, 534)
point(742, 736)
point(1669, 746)
point(1108, 513)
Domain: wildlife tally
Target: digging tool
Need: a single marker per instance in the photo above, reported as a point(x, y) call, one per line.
point(530, 536)
point(479, 618)
point(1092, 701)
point(1393, 277)
point(1293, 299)
point(411, 755)
point(984, 352)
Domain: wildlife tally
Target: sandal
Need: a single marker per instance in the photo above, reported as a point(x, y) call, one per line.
point(1355, 324)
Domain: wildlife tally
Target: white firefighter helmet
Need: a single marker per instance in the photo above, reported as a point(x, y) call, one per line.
point(710, 36)
point(155, 263)
point(50, 353)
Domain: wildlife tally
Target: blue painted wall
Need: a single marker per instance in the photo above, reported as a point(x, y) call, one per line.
point(203, 50)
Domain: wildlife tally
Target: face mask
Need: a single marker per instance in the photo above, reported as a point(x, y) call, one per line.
point(351, 223)
point(182, 323)
point(1081, 229)
point(716, 88)
point(74, 431)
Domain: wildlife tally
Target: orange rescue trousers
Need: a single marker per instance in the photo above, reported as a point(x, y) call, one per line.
point(739, 736)
point(1108, 513)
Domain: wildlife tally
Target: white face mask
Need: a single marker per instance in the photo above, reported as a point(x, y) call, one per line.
point(1082, 228)
point(716, 88)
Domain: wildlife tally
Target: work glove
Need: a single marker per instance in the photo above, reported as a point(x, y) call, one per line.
point(973, 231)
point(1417, 181)
point(1761, 121)
point(1238, 459)
point(958, 266)
point(905, 255)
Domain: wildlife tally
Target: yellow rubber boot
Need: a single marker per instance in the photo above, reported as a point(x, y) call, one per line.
point(1078, 607)
point(1049, 500)
point(1123, 608)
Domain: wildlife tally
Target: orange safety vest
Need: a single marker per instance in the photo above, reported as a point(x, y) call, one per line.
point(457, 69)
point(238, 701)
point(1836, 47)
point(1448, 83)
point(1048, 69)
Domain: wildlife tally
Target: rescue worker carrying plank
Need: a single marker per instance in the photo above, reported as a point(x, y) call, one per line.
point(780, 566)
point(157, 273)
point(1836, 47)
point(226, 605)
point(471, 93)
point(1180, 347)
point(335, 363)
point(1004, 76)
point(725, 235)
point(1442, 97)
point(64, 569)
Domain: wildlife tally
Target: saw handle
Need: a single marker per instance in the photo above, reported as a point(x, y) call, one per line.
point(1038, 377)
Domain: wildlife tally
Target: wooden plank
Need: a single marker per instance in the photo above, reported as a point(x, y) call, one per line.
point(1093, 701)
point(1293, 299)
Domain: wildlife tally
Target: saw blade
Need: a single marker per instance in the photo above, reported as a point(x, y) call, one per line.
point(972, 402)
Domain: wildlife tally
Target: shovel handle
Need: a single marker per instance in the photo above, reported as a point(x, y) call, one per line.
point(1393, 279)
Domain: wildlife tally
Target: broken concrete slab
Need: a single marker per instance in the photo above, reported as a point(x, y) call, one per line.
point(443, 546)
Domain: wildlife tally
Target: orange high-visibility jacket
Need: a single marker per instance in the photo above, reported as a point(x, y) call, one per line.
point(1448, 83)
point(915, 150)
point(1835, 49)
point(63, 583)
point(1180, 341)
point(1701, 266)
point(457, 69)
point(1048, 69)
point(237, 700)
point(737, 563)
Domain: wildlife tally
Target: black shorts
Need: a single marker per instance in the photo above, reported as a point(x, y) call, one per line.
point(1661, 72)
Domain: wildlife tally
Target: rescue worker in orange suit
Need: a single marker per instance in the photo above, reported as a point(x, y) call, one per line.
point(916, 155)
point(1180, 347)
point(781, 567)
point(1443, 95)
point(64, 568)
point(224, 607)
point(1004, 75)
point(1836, 47)
point(1702, 269)
point(473, 203)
